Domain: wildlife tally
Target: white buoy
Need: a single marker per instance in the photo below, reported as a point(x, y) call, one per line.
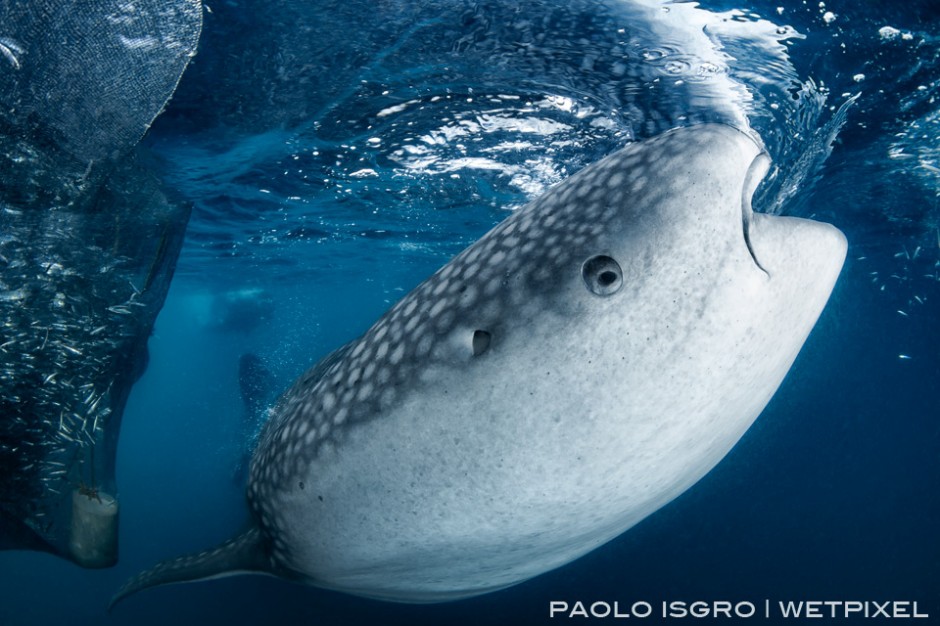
point(93, 536)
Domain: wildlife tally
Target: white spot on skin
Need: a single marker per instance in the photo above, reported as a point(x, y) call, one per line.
point(381, 332)
point(445, 320)
point(366, 390)
point(598, 196)
point(310, 437)
point(592, 212)
point(337, 378)
point(397, 354)
point(412, 322)
point(439, 306)
point(615, 180)
point(424, 346)
point(382, 350)
point(471, 270)
point(474, 254)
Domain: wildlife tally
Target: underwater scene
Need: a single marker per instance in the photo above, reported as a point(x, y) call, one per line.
point(466, 312)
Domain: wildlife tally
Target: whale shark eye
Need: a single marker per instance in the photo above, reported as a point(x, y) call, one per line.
point(602, 275)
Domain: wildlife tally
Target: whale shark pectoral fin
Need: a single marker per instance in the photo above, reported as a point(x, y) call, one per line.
point(245, 554)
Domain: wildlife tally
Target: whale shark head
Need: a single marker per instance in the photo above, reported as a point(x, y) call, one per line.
point(578, 367)
point(667, 226)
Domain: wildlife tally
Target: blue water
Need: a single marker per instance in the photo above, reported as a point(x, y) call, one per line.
point(338, 153)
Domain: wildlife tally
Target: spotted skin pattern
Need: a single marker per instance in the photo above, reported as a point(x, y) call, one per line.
point(511, 267)
point(581, 365)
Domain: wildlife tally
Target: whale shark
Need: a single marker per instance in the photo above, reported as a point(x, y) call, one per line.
point(578, 367)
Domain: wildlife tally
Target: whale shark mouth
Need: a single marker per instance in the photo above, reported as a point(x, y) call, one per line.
point(755, 174)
